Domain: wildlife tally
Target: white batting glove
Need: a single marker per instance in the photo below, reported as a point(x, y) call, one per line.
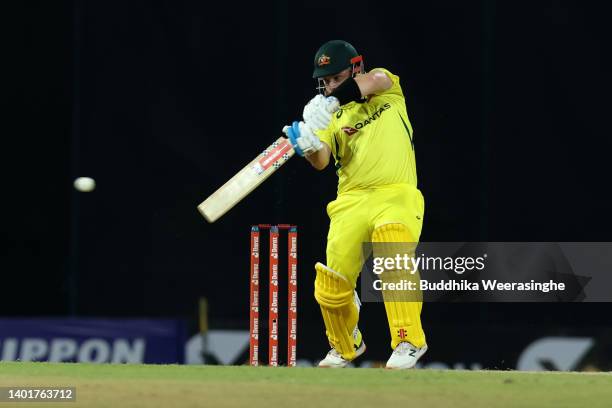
point(318, 112)
point(303, 139)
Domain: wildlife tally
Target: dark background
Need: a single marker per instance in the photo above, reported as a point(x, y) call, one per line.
point(161, 102)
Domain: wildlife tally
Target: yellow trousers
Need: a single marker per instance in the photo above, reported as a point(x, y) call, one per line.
point(392, 213)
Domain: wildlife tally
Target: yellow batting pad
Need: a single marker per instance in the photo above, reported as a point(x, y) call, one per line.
point(403, 307)
point(394, 233)
point(334, 294)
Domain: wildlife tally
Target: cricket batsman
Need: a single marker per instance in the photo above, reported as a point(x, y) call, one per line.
point(360, 118)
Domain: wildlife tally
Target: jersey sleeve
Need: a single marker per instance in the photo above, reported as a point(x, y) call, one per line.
point(396, 89)
point(327, 136)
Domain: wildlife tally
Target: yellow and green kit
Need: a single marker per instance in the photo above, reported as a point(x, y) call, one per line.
point(378, 201)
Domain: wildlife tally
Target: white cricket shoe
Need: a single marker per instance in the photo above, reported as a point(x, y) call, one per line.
point(405, 355)
point(333, 359)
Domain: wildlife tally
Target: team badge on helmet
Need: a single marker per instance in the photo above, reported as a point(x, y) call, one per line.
point(323, 60)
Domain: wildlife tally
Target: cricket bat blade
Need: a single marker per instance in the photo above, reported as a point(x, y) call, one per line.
point(246, 180)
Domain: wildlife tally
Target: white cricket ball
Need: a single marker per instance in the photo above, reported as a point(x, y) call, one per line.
point(84, 184)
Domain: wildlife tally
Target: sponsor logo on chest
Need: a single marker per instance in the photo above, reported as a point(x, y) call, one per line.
point(362, 123)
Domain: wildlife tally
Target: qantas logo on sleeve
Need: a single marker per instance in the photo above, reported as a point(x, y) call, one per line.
point(349, 130)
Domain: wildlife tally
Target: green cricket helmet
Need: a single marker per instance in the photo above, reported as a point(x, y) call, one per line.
point(335, 56)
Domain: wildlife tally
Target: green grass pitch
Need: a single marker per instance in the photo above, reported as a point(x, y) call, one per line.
point(214, 386)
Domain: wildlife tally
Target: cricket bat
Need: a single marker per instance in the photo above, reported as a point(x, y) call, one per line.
point(246, 180)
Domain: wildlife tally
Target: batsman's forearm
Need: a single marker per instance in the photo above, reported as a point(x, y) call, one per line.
point(373, 82)
point(320, 159)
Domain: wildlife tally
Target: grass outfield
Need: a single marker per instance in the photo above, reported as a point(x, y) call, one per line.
point(214, 386)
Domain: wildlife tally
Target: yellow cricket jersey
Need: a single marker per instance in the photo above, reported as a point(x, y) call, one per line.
point(372, 142)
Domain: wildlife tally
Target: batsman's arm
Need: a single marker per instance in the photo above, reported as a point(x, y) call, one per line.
point(320, 159)
point(373, 82)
